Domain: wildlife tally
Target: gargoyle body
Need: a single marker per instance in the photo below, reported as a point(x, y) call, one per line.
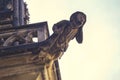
point(63, 32)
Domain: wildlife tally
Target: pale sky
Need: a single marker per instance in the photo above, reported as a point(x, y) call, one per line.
point(98, 58)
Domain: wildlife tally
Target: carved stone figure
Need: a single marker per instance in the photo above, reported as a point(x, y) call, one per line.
point(42, 55)
point(63, 32)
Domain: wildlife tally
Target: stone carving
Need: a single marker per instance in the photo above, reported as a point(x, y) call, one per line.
point(31, 56)
point(54, 46)
point(19, 38)
point(63, 32)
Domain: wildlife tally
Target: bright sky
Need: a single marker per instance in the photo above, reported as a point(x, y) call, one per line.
point(98, 58)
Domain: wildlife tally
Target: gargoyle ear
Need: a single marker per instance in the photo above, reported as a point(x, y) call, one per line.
point(79, 35)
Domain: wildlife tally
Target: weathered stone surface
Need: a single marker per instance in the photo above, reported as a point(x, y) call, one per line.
point(23, 59)
point(63, 32)
point(17, 62)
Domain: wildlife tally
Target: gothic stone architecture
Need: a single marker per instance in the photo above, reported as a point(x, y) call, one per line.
point(23, 59)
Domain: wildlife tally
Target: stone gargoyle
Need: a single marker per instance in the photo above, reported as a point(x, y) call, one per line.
point(63, 31)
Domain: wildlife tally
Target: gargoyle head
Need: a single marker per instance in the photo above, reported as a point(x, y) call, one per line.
point(77, 20)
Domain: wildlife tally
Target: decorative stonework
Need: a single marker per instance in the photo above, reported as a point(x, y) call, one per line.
point(23, 59)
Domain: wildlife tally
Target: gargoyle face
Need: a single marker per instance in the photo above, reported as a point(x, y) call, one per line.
point(77, 19)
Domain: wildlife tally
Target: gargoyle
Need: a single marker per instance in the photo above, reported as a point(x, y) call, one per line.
point(63, 32)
